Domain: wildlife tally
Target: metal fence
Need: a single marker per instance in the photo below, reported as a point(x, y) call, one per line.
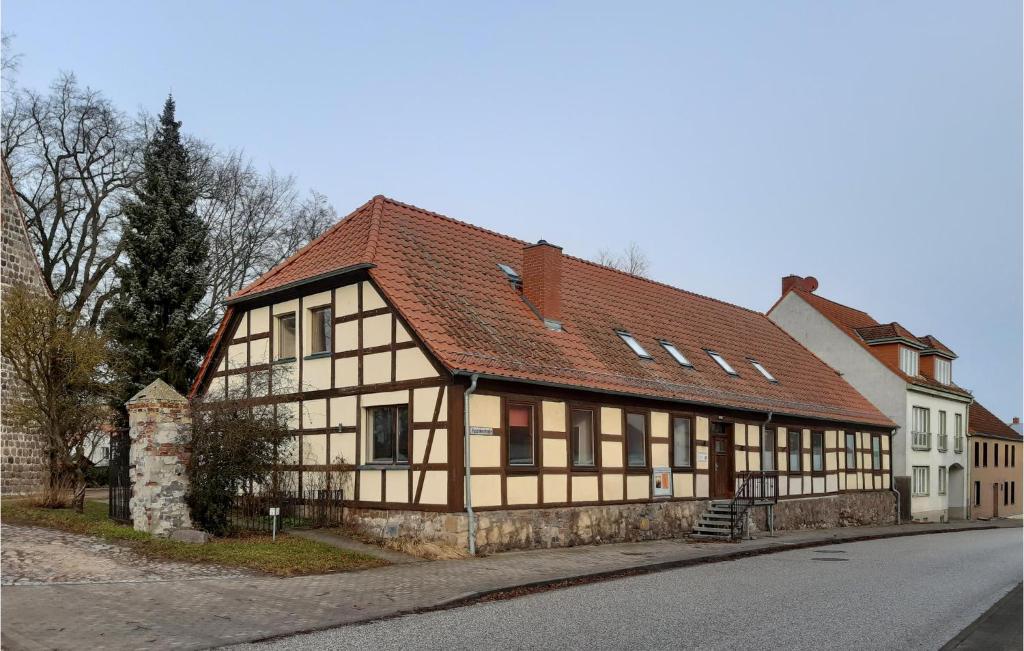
point(120, 488)
point(298, 510)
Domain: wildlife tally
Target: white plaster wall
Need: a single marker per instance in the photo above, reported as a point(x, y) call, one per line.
point(861, 369)
point(935, 506)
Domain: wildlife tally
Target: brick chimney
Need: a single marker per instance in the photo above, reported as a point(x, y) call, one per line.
point(542, 281)
point(1016, 420)
point(791, 282)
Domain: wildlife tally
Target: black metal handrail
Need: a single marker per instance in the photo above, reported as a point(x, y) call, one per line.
point(756, 487)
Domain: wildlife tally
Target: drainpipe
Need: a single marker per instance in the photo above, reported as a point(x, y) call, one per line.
point(770, 511)
point(892, 480)
point(468, 460)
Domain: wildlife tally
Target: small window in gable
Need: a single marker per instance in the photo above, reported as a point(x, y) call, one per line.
point(285, 337)
point(633, 344)
point(321, 327)
point(676, 355)
point(943, 370)
point(721, 362)
point(763, 371)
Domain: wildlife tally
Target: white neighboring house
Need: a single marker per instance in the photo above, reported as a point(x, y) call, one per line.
point(908, 378)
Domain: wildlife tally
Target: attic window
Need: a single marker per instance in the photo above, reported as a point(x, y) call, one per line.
point(908, 361)
point(763, 371)
point(633, 344)
point(510, 273)
point(676, 355)
point(721, 362)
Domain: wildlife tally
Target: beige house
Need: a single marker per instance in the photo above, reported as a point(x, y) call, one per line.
point(461, 380)
point(995, 476)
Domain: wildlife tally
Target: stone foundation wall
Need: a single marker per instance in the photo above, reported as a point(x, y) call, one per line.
point(611, 523)
point(535, 528)
point(827, 511)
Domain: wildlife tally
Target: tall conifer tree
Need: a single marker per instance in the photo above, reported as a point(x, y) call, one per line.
point(163, 273)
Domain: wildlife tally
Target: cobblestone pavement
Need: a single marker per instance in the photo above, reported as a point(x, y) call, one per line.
point(38, 556)
point(202, 613)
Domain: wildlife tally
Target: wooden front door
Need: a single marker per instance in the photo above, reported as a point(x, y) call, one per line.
point(721, 461)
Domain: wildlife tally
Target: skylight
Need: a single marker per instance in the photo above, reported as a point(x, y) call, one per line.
point(510, 273)
point(721, 362)
point(633, 344)
point(763, 371)
point(674, 352)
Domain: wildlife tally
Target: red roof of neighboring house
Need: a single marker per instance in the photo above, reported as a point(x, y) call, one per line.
point(862, 328)
point(982, 422)
point(442, 276)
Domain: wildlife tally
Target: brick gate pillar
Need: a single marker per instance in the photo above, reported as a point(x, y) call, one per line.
point(158, 419)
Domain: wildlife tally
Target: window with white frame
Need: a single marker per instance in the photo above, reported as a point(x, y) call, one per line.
point(943, 437)
point(942, 480)
point(674, 352)
point(920, 480)
point(633, 344)
point(721, 362)
point(763, 371)
point(908, 360)
point(943, 370)
point(958, 433)
point(920, 429)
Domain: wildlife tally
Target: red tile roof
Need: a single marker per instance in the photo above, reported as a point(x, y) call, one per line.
point(886, 331)
point(934, 344)
point(442, 276)
point(982, 422)
point(862, 328)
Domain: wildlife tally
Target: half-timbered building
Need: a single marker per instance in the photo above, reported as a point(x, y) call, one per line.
point(462, 380)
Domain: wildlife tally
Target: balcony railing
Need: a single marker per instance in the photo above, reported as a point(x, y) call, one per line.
point(958, 443)
point(921, 440)
point(943, 442)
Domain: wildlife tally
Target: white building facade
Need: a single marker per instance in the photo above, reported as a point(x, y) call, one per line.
point(907, 378)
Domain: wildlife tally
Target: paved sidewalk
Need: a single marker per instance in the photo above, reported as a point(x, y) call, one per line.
point(213, 612)
point(351, 545)
point(36, 556)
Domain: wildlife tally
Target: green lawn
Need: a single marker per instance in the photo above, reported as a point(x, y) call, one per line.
point(288, 556)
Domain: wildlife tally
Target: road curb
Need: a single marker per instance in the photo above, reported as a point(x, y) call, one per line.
point(521, 589)
point(607, 575)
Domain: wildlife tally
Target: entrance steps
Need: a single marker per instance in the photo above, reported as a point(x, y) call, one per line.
point(715, 522)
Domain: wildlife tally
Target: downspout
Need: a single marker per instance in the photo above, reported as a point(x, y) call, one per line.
point(468, 460)
point(770, 510)
point(892, 480)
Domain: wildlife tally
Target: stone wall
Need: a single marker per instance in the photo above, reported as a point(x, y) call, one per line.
point(610, 523)
point(23, 462)
point(158, 416)
point(842, 510)
point(535, 528)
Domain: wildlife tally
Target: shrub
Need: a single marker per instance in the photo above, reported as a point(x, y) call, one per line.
point(233, 449)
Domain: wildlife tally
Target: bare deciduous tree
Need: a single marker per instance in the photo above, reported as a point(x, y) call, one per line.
point(632, 260)
point(73, 157)
point(62, 366)
point(256, 220)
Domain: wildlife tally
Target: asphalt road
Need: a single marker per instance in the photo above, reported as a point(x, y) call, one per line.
point(908, 593)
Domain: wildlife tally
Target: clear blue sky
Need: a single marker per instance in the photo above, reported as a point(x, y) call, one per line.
point(875, 145)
